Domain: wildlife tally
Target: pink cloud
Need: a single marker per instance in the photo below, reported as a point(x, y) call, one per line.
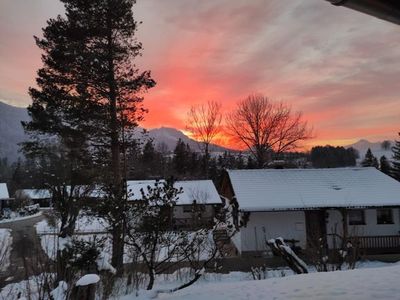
point(320, 59)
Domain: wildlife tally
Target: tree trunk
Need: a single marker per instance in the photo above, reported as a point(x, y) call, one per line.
point(195, 278)
point(68, 228)
point(117, 259)
point(151, 279)
point(60, 268)
point(345, 228)
point(260, 157)
point(118, 234)
point(206, 160)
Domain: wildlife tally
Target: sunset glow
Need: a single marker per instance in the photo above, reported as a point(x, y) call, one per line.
point(340, 68)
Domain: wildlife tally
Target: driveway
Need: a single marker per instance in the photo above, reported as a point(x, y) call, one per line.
point(27, 256)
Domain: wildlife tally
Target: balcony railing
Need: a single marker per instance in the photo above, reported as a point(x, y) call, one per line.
point(370, 244)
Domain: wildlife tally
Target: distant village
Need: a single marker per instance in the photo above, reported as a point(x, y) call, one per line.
point(329, 193)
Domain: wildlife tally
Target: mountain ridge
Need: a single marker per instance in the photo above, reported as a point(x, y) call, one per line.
point(363, 145)
point(12, 133)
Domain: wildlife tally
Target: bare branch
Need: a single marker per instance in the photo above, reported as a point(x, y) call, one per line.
point(264, 127)
point(204, 122)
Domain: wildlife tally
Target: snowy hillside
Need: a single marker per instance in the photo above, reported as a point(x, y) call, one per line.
point(376, 148)
point(169, 137)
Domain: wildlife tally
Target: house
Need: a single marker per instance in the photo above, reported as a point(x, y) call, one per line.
point(4, 196)
point(306, 206)
point(43, 197)
point(196, 206)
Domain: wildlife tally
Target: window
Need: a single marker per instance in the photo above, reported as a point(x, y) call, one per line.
point(384, 216)
point(356, 217)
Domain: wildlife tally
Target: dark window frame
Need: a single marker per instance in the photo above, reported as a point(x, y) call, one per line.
point(383, 220)
point(357, 222)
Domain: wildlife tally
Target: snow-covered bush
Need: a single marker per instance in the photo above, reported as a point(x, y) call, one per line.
point(160, 248)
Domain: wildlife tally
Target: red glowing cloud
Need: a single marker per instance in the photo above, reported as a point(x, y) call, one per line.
point(320, 59)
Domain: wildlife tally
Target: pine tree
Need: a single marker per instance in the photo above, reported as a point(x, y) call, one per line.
point(396, 160)
point(89, 89)
point(149, 153)
point(251, 163)
point(182, 157)
point(370, 160)
point(384, 165)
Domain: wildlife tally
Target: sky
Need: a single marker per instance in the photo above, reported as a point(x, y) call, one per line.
point(339, 67)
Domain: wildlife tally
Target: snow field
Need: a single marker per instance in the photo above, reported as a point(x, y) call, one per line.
point(361, 284)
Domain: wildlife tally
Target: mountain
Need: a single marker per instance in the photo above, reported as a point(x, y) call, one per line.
point(169, 137)
point(11, 131)
point(362, 146)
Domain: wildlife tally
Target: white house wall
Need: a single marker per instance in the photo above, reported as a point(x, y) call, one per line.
point(263, 226)
point(237, 241)
point(371, 228)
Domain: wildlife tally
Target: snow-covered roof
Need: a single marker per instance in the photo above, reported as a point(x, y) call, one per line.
point(4, 191)
point(203, 191)
point(94, 192)
point(34, 193)
point(272, 189)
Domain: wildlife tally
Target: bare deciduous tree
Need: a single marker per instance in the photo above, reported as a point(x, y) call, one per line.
point(264, 127)
point(204, 124)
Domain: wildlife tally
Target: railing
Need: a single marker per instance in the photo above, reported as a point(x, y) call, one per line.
point(383, 242)
point(372, 242)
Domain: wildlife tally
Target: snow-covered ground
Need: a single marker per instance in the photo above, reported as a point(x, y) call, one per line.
point(5, 248)
point(84, 223)
point(16, 217)
point(26, 289)
point(373, 280)
point(362, 284)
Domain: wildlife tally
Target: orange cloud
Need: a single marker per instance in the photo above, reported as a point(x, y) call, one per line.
point(320, 60)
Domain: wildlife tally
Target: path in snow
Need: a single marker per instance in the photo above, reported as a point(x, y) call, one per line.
point(26, 249)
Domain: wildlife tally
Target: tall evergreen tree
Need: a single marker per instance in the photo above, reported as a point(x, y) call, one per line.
point(89, 89)
point(182, 158)
point(149, 153)
point(370, 160)
point(384, 165)
point(396, 160)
